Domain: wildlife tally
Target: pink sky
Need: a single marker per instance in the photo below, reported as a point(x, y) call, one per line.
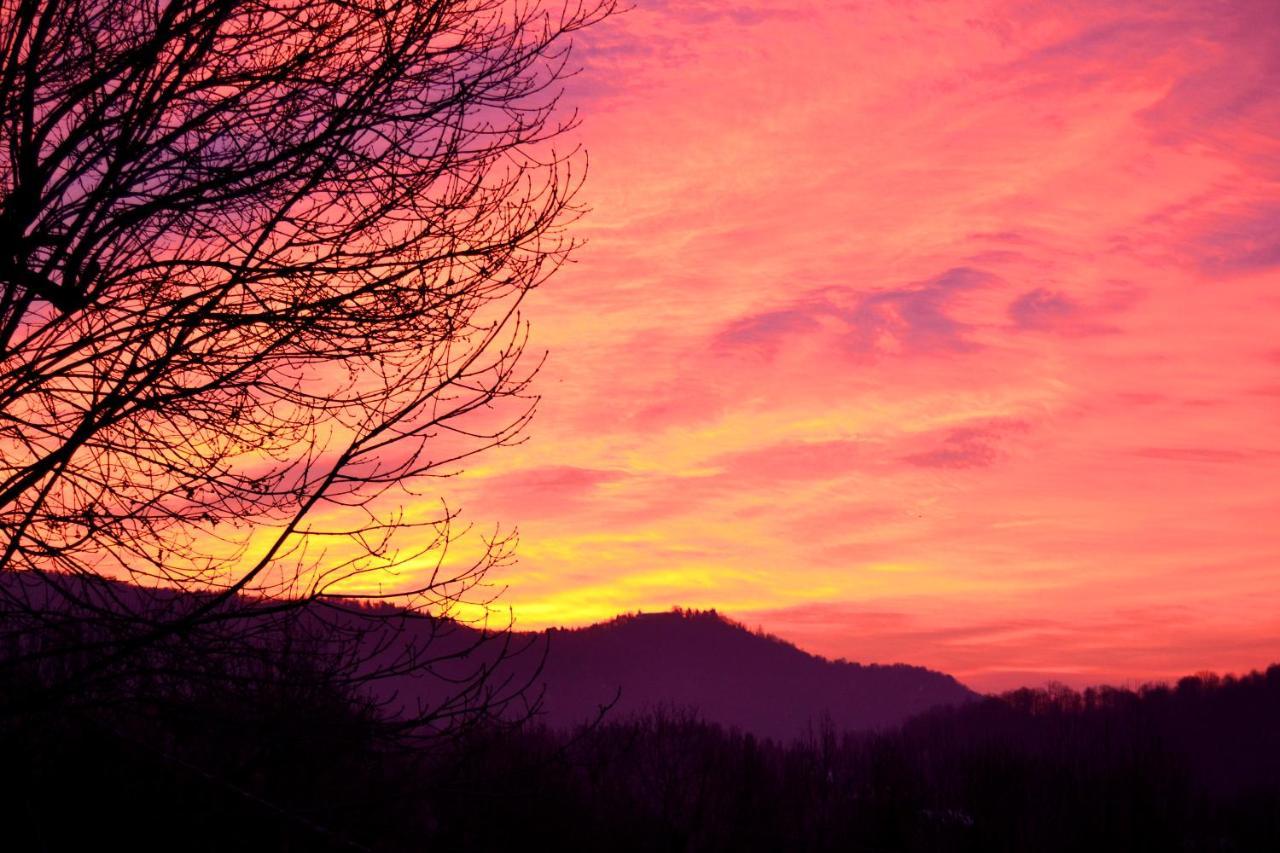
point(939, 332)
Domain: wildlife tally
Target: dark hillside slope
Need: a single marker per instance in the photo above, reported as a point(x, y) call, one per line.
point(730, 675)
point(688, 660)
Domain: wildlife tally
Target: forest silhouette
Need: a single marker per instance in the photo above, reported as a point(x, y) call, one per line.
point(212, 755)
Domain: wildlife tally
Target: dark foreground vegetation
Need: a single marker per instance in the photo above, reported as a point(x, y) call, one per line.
point(293, 763)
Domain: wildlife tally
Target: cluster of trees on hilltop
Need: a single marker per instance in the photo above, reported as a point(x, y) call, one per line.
point(732, 675)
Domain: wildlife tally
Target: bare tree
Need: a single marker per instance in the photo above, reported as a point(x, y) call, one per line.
point(262, 266)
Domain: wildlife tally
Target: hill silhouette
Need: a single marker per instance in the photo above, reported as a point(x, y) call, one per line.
point(729, 675)
point(698, 662)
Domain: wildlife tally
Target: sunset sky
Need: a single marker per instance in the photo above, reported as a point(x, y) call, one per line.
point(934, 332)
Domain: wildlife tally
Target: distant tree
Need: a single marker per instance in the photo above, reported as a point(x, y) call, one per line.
point(262, 266)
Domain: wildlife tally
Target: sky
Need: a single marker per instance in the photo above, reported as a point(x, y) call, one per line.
point(930, 332)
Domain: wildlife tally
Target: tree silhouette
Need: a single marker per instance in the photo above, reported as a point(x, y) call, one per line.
point(262, 266)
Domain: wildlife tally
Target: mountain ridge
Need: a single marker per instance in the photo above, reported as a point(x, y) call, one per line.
point(697, 661)
point(728, 674)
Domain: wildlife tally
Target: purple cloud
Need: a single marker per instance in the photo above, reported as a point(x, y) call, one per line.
point(1043, 309)
point(975, 446)
point(768, 329)
point(1243, 243)
point(912, 319)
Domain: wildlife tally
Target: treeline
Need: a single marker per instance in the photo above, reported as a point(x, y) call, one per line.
point(1194, 767)
point(294, 763)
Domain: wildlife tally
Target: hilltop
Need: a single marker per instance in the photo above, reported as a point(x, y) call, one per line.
point(730, 675)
